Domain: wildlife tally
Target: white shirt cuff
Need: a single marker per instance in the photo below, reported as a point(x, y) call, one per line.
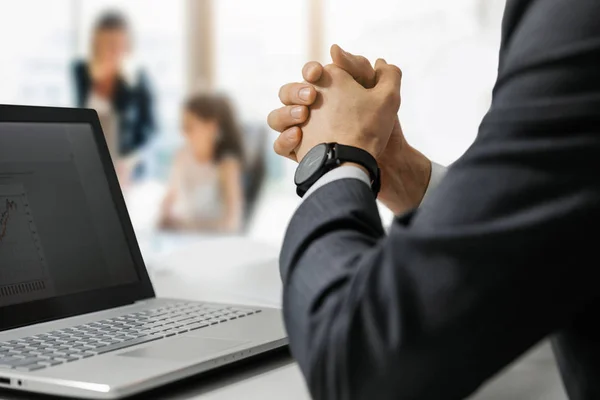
point(437, 174)
point(348, 171)
point(343, 172)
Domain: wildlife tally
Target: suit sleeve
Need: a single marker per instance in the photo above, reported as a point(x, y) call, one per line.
point(499, 256)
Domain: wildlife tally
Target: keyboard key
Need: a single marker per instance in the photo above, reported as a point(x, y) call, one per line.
point(50, 363)
point(23, 361)
point(33, 367)
point(197, 326)
point(92, 346)
point(128, 343)
point(9, 360)
point(27, 354)
point(66, 358)
point(110, 341)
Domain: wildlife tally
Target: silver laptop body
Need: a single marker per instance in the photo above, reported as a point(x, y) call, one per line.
point(78, 314)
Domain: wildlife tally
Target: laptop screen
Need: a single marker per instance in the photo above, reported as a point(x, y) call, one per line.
point(60, 232)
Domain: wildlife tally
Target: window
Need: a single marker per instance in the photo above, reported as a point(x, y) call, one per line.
point(448, 54)
point(34, 63)
point(259, 45)
point(446, 49)
point(159, 46)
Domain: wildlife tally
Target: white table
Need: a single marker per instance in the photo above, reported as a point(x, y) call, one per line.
point(230, 270)
point(238, 270)
point(242, 271)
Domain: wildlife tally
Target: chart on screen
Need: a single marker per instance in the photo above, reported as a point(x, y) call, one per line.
point(23, 272)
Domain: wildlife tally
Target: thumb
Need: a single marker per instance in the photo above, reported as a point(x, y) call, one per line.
point(388, 78)
point(358, 66)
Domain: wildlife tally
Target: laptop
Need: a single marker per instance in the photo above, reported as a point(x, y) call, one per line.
point(78, 314)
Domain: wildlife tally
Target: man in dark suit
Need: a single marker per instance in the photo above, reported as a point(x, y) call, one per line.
point(499, 256)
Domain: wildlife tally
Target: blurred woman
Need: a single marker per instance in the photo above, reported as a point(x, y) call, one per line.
point(205, 191)
point(121, 96)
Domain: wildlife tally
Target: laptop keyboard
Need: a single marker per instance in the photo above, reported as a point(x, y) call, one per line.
point(100, 337)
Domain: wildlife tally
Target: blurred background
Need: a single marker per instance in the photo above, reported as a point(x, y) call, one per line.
point(183, 88)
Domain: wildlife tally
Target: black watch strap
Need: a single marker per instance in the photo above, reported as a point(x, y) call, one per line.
point(362, 157)
point(328, 156)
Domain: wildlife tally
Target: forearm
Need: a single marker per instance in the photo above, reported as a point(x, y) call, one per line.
point(404, 180)
point(422, 313)
point(352, 310)
point(495, 260)
point(317, 276)
point(420, 188)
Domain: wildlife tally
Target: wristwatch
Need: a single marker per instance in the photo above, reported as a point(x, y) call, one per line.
point(326, 156)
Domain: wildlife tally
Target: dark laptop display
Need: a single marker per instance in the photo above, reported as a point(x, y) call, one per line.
point(59, 232)
point(67, 246)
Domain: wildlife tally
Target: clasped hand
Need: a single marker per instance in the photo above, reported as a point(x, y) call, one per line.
point(345, 112)
point(352, 103)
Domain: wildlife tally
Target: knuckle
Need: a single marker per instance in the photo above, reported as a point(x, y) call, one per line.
point(332, 69)
point(389, 99)
point(277, 147)
point(312, 71)
point(283, 92)
point(361, 60)
point(393, 99)
point(312, 64)
point(272, 119)
point(329, 67)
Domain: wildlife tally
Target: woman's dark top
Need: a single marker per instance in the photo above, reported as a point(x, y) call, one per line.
point(133, 105)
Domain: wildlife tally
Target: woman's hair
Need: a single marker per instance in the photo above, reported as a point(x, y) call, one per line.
point(219, 108)
point(111, 20)
point(108, 21)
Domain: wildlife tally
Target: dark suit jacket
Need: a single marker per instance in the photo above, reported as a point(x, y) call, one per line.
point(501, 255)
point(133, 104)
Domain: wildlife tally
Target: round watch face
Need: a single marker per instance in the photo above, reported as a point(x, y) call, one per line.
point(311, 163)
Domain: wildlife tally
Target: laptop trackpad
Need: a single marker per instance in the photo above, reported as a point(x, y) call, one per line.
point(183, 348)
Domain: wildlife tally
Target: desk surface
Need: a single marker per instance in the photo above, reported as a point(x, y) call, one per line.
point(236, 270)
point(229, 270)
point(250, 275)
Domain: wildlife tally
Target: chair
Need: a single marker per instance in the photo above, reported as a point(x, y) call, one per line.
point(255, 170)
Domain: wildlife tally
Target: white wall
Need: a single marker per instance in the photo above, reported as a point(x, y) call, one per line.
point(448, 56)
point(36, 43)
point(448, 52)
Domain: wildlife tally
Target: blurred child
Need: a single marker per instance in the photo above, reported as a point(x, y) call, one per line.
point(205, 191)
